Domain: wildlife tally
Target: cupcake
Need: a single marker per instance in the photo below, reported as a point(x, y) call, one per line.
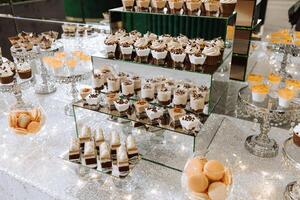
point(6, 76)
point(259, 92)
point(211, 6)
point(196, 58)
point(143, 5)
point(212, 54)
point(227, 6)
point(255, 79)
point(128, 4)
point(285, 96)
point(274, 81)
point(159, 52)
point(158, 5)
point(24, 71)
point(142, 50)
point(183, 40)
point(177, 54)
point(296, 135)
point(126, 47)
point(110, 44)
point(175, 6)
point(134, 35)
point(193, 6)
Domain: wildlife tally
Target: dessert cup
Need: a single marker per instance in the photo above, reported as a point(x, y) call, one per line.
point(6, 77)
point(211, 7)
point(126, 52)
point(227, 7)
point(193, 6)
point(128, 5)
point(259, 93)
point(254, 79)
point(197, 62)
point(158, 5)
point(175, 6)
point(285, 96)
point(143, 5)
point(178, 60)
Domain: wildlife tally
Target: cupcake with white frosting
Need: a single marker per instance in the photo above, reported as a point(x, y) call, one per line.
point(126, 46)
point(142, 49)
point(159, 52)
point(110, 44)
point(177, 54)
point(196, 58)
point(212, 55)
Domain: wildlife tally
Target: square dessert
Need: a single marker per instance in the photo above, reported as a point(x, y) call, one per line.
point(114, 144)
point(99, 138)
point(175, 114)
point(89, 155)
point(105, 158)
point(132, 150)
point(110, 98)
point(140, 107)
point(84, 136)
point(74, 150)
point(122, 161)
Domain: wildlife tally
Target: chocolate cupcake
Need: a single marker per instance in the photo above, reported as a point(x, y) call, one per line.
point(110, 44)
point(24, 71)
point(159, 52)
point(126, 47)
point(212, 55)
point(6, 75)
point(142, 50)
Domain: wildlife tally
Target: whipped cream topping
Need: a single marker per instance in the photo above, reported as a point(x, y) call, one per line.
point(154, 113)
point(219, 43)
point(174, 45)
point(158, 45)
point(111, 39)
point(190, 122)
point(104, 152)
point(141, 43)
point(183, 40)
point(211, 51)
point(126, 41)
point(150, 36)
point(130, 142)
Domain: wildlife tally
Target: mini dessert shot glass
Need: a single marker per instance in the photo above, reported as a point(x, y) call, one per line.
point(164, 95)
point(158, 6)
point(274, 81)
point(74, 150)
point(193, 6)
point(98, 81)
point(127, 88)
point(57, 66)
point(190, 123)
point(128, 5)
point(294, 85)
point(110, 44)
point(175, 6)
point(178, 55)
point(113, 84)
point(142, 50)
point(259, 92)
point(122, 105)
point(126, 47)
point(211, 6)
point(159, 52)
point(93, 101)
point(71, 64)
point(147, 92)
point(255, 79)
point(197, 102)
point(175, 114)
point(84, 92)
point(180, 98)
point(154, 114)
point(227, 7)
point(285, 96)
point(114, 144)
point(143, 5)
point(137, 84)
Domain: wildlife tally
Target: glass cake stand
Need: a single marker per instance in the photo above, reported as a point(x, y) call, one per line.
point(267, 113)
point(46, 86)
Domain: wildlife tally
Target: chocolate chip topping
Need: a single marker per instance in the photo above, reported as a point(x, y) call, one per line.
point(153, 109)
point(122, 101)
point(93, 95)
point(135, 78)
point(180, 92)
point(147, 86)
point(197, 96)
point(127, 82)
point(189, 118)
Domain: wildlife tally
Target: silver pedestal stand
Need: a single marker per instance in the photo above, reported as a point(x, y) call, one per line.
point(72, 80)
point(267, 113)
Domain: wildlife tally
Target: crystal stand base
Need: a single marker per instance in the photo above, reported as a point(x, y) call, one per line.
point(289, 193)
point(260, 148)
point(45, 89)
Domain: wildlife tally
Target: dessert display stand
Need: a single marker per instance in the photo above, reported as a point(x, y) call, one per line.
point(267, 113)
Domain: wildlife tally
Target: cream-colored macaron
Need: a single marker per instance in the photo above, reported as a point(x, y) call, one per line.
point(214, 170)
point(217, 191)
point(195, 166)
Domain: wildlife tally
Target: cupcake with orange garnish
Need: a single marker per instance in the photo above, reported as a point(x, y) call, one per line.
point(285, 97)
point(255, 79)
point(259, 92)
point(274, 80)
point(294, 85)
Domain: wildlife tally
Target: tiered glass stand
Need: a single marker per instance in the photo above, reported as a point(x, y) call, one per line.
point(268, 113)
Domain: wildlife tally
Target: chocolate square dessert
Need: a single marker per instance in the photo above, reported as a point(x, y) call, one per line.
point(84, 136)
point(175, 114)
point(140, 107)
point(74, 151)
point(122, 161)
point(132, 150)
point(89, 155)
point(114, 144)
point(105, 158)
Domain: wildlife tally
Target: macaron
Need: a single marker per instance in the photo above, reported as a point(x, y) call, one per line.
point(33, 127)
point(23, 120)
point(214, 170)
point(217, 191)
point(197, 183)
point(195, 166)
point(227, 178)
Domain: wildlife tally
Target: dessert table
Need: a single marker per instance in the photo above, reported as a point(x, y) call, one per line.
point(31, 168)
